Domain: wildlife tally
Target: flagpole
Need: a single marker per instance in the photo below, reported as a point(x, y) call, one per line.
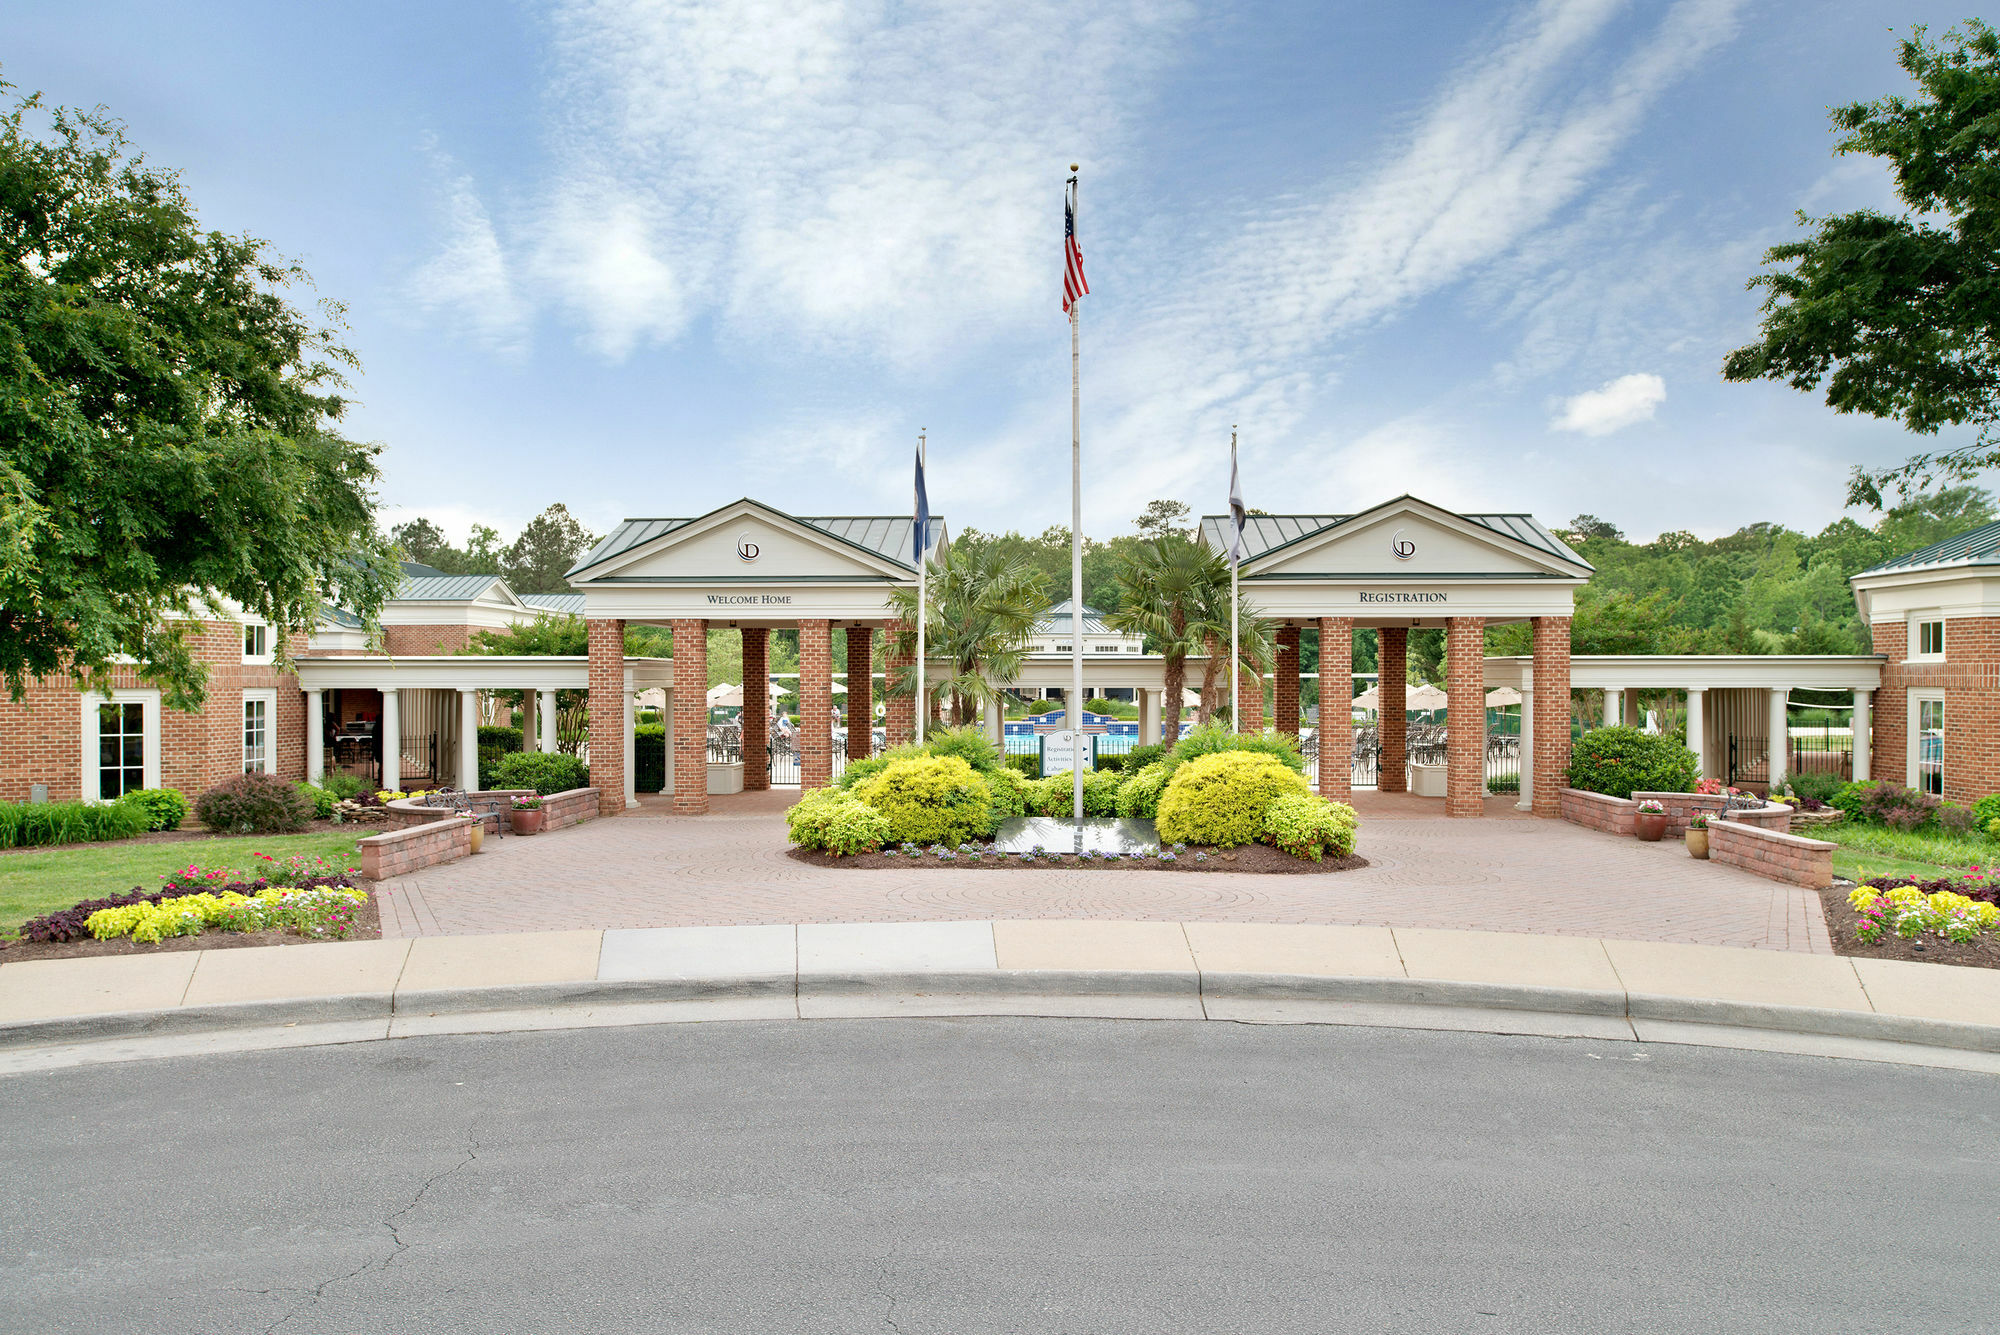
point(923, 562)
point(1075, 550)
point(1235, 564)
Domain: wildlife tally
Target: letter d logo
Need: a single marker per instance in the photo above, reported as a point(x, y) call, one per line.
point(1402, 546)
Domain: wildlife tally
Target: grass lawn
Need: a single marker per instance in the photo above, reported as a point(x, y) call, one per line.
point(32, 884)
point(1876, 850)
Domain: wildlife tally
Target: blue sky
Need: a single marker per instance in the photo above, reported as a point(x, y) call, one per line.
point(644, 258)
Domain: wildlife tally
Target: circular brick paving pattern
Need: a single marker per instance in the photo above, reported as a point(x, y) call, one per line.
point(647, 869)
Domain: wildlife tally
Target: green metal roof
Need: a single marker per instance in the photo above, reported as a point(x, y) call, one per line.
point(889, 537)
point(1266, 533)
point(1980, 547)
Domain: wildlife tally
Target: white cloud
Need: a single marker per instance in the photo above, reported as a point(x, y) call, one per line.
point(469, 281)
point(1612, 406)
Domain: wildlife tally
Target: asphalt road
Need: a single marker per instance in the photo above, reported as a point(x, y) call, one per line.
point(999, 1175)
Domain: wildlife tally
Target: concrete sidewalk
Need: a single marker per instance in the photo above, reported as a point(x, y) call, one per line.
point(61, 1012)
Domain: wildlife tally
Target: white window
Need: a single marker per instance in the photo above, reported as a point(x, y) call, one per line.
point(1105, 649)
point(256, 643)
point(121, 744)
point(1062, 648)
point(1927, 636)
point(1927, 743)
point(1131, 648)
point(259, 710)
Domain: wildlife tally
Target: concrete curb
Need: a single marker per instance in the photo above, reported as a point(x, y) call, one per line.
point(1372, 997)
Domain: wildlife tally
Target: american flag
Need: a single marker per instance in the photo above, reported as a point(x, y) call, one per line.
point(1074, 285)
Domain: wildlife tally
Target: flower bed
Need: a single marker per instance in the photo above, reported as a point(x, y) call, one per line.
point(1954, 920)
point(1259, 858)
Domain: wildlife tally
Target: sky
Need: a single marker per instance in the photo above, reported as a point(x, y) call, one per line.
point(647, 256)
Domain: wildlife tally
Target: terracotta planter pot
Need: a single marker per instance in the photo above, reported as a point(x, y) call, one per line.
point(526, 822)
point(1649, 828)
point(1697, 842)
point(478, 834)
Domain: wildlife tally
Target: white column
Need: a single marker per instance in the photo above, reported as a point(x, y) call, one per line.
point(315, 735)
point(1614, 707)
point(529, 740)
point(631, 749)
point(1697, 729)
point(1780, 739)
point(468, 740)
point(1527, 799)
point(667, 723)
point(1864, 721)
point(1149, 716)
point(996, 719)
point(392, 742)
point(546, 716)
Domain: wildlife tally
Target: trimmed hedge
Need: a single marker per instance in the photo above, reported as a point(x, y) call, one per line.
point(836, 822)
point(1056, 794)
point(1619, 762)
point(1310, 827)
point(544, 771)
point(1139, 795)
point(930, 800)
point(1216, 740)
point(165, 808)
point(1221, 799)
point(42, 824)
point(649, 757)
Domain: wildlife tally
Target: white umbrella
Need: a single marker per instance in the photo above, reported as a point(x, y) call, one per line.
point(725, 696)
point(1421, 696)
point(1502, 695)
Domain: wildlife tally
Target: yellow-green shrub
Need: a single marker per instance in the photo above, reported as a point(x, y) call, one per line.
point(1307, 827)
point(1010, 793)
point(839, 822)
point(1139, 795)
point(1221, 799)
point(930, 800)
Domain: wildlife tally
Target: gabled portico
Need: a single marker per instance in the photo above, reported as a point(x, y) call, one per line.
point(751, 567)
point(1403, 565)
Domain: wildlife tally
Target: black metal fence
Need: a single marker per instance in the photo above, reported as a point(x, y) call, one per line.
point(1424, 744)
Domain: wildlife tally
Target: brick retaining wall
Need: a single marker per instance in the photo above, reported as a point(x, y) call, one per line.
point(402, 851)
point(562, 810)
point(1595, 811)
point(1772, 853)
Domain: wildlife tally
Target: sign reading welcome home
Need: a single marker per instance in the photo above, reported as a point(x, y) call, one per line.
point(750, 599)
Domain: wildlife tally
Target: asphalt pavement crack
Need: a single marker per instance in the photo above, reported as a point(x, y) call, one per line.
point(392, 1223)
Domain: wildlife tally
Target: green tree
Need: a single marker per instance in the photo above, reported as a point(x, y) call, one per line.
point(537, 560)
point(167, 422)
point(1164, 585)
point(1896, 316)
point(421, 541)
point(1161, 518)
point(982, 606)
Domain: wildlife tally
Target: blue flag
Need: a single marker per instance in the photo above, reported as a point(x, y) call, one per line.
point(921, 530)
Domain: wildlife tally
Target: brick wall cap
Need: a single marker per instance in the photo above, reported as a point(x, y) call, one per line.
point(1775, 840)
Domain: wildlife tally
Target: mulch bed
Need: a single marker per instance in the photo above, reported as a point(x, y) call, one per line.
point(367, 927)
point(187, 832)
point(1841, 921)
point(1250, 858)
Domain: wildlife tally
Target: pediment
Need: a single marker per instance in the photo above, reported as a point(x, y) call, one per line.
point(745, 542)
point(1409, 539)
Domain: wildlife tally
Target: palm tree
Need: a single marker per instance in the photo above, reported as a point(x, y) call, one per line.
point(1175, 591)
point(982, 607)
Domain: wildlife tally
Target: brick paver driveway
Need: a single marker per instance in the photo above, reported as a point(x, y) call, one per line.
point(651, 869)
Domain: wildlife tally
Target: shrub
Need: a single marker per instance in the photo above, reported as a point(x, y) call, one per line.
point(860, 771)
point(970, 744)
point(1139, 795)
point(1056, 794)
point(1220, 799)
point(1309, 827)
point(1214, 740)
point(323, 801)
point(1986, 810)
point(837, 822)
point(649, 757)
point(1885, 803)
point(930, 800)
point(254, 804)
point(1504, 783)
point(1141, 756)
point(346, 787)
point(1048, 797)
point(1621, 761)
point(1041, 707)
point(1954, 819)
point(1100, 792)
point(1010, 795)
point(544, 771)
point(1818, 786)
point(165, 808)
point(499, 737)
point(1113, 763)
point(1028, 766)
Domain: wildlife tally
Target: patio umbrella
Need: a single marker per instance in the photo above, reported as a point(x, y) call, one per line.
point(1421, 696)
point(725, 696)
point(1502, 695)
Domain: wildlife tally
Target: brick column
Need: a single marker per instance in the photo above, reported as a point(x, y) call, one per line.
point(860, 692)
point(1285, 682)
point(756, 709)
point(815, 704)
point(1392, 661)
point(1336, 693)
point(1465, 717)
point(1551, 765)
point(691, 718)
point(1250, 699)
point(607, 713)
point(900, 722)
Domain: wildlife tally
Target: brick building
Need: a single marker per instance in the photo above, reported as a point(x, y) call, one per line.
point(1934, 616)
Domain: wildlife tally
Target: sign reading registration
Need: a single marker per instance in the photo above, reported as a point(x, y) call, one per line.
point(1065, 751)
